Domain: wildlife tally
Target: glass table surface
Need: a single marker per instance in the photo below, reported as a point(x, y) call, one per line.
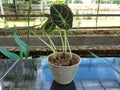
point(93, 74)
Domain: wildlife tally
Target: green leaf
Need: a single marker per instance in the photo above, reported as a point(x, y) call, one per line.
point(23, 45)
point(9, 54)
point(61, 15)
point(48, 26)
point(93, 54)
point(21, 54)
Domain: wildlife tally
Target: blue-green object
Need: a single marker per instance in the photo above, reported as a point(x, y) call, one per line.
point(23, 46)
point(9, 54)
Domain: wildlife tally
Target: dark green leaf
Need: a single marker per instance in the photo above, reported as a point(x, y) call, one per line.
point(48, 25)
point(9, 54)
point(23, 45)
point(61, 15)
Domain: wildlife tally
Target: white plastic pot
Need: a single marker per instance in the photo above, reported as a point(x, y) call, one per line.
point(64, 74)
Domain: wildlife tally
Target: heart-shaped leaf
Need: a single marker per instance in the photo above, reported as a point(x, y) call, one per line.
point(9, 54)
point(61, 15)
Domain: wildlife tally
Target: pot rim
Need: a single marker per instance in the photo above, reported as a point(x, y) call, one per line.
point(65, 66)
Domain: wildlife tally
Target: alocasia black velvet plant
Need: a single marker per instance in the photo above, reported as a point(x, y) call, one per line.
point(61, 17)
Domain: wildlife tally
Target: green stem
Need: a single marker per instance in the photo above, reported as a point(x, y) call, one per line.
point(67, 44)
point(28, 34)
point(21, 53)
point(51, 42)
point(98, 7)
point(63, 46)
point(54, 51)
point(69, 48)
point(65, 40)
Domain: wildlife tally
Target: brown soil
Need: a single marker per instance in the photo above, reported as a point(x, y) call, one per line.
point(63, 59)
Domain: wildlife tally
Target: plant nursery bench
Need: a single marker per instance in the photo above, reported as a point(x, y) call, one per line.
point(93, 74)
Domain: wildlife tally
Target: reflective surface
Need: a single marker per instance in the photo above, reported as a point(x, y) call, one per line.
point(93, 74)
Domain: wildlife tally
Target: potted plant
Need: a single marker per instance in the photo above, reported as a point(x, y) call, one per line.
point(23, 56)
point(63, 64)
point(26, 64)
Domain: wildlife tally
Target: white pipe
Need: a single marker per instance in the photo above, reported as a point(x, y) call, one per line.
point(2, 11)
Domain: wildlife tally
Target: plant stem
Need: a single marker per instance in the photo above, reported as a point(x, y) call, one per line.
point(65, 40)
point(63, 46)
point(21, 53)
point(28, 34)
point(54, 51)
point(67, 44)
point(51, 42)
point(98, 7)
point(69, 48)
